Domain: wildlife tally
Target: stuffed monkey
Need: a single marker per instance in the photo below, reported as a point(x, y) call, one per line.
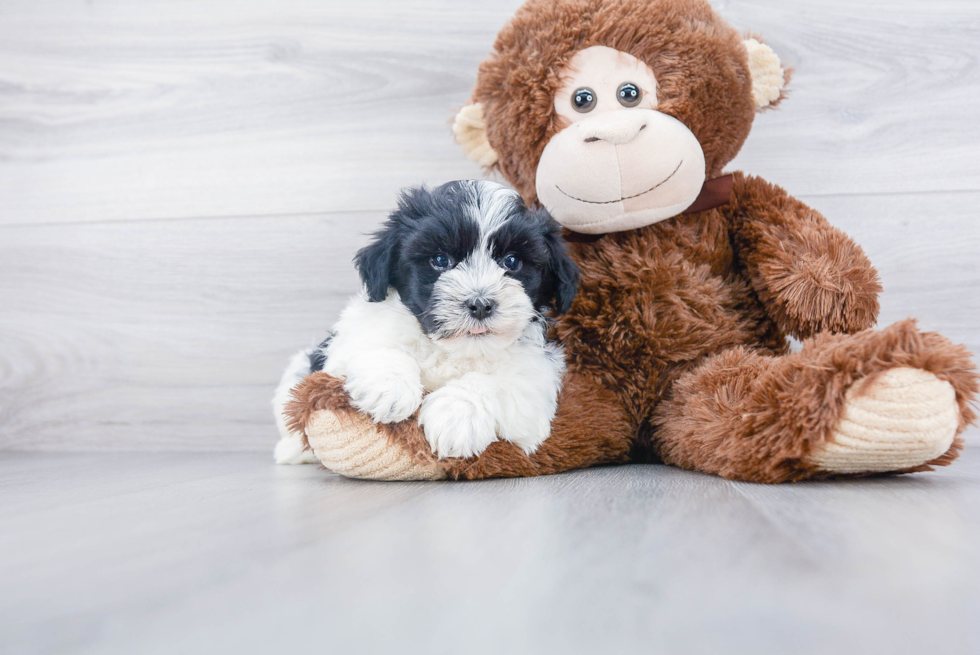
point(619, 116)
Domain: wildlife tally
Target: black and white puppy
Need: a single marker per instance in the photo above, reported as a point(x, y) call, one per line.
point(457, 285)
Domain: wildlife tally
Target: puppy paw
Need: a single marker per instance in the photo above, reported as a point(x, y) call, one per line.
point(529, 435)
point(390, 391)
point(290, 450)
point(456, 423)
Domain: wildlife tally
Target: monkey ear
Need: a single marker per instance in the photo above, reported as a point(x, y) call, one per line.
point(471, 133)
point(768, 77)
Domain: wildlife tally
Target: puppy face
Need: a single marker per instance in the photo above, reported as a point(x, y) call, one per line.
point(470, 261)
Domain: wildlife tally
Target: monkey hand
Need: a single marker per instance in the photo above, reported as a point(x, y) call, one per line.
point(811, 277)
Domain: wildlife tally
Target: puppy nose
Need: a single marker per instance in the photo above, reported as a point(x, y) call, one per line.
point(616, 127)
point(480, 308)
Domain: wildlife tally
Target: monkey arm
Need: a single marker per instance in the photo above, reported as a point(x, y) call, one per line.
point(810, 276)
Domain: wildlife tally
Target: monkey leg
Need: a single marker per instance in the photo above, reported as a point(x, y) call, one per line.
point(874, 402)
point(351, 443)
point(590, 428)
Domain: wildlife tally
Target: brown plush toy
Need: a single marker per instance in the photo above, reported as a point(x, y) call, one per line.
point(618, 116)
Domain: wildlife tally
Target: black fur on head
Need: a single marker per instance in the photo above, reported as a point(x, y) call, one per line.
point(480, 228)
point(549, 274)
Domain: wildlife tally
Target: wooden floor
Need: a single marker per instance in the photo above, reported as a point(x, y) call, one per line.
point(227, 553)
point(182, 186)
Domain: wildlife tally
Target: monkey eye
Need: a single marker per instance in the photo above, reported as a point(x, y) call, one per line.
point(629, 94)
point(441, 262)
point(583, 100)
point(511, 262)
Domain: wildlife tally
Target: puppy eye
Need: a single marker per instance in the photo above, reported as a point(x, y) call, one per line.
point(629, 94)
point(511, 262)
point(441, 262)
point(583, 100)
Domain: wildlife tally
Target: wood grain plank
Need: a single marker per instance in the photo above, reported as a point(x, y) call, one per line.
point(924, 247)
point(162, 334)
point(884, 96)
point(160, 109)
point(205, 553)
point(171, 334)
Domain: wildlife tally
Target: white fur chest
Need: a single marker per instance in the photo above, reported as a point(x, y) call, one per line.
point(438, 364)
point(364, 327)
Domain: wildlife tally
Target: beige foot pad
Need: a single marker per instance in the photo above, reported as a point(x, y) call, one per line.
point(899, 420)
point(357, 449)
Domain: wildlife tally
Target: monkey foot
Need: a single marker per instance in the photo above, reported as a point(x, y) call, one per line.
point(898, 420)
point(353, 446)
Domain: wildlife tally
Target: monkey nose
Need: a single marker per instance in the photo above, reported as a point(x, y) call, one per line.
point(480, 308)
point(616, 127)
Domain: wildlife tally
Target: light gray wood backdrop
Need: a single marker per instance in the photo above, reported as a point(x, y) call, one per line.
point(183, 183)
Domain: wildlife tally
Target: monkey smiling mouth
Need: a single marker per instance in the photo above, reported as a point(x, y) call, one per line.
point(642, 193)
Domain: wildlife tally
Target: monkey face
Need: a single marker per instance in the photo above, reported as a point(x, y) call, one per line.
point(611, 113)
point(618, 163)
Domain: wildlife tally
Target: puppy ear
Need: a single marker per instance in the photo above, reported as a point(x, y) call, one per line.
point(375, 262)
point(561, 273)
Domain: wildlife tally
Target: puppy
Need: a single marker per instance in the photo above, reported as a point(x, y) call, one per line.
point(451, 323)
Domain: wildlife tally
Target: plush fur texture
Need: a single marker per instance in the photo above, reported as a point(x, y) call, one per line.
point(747, 416)
point(676, 343)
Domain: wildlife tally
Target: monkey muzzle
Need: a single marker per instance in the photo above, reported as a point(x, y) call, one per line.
point(620, 170)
